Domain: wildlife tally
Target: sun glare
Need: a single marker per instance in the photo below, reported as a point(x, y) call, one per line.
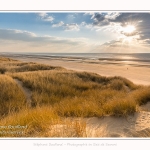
point(129, 29)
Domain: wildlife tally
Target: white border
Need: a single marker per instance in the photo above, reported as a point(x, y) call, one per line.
point(74, 144)
point(64, 5)
point(38, 6)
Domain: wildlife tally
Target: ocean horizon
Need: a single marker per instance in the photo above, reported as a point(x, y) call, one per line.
point(142, 59)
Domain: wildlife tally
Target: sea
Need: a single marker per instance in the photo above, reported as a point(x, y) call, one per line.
point(135, 59)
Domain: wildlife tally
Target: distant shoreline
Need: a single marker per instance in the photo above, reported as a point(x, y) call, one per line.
point(99, 58)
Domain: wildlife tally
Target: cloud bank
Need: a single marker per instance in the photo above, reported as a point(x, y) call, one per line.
point(116, 22)
point(10, 38)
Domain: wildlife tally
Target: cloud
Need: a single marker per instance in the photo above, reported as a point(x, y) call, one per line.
point(98, 17)
point(116, 22)
point(45, 17)
point(42, 15)
point(117, 17)
point(131, 17)
point(60, 24)
point(140, 20)
point(112, 15)
point(70, 16)
point(25, 36)
point(120, 46)
point(88, 13)
point(146, 41)
point(86, 25)
point(103, 19)
point(18, 40)
point(72, 26)
point(130, 34)
point(67, 27)
point(9, 34)
point(83, 23)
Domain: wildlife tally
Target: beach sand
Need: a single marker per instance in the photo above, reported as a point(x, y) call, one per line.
point(136, 125)
point(137, 74)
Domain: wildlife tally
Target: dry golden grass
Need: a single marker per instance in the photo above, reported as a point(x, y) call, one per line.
point(40, 122)
point(117, 83)
point(36, 122)
point(68, 128)
point(73, 95)
point(142, 95)
point(2, 70)
point(5, 59)
point(78, 108)
point(58, 93)
point(12, 67)
point(12, 98)
point(120, 107)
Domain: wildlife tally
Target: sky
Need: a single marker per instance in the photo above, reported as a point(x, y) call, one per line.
point(75, 32)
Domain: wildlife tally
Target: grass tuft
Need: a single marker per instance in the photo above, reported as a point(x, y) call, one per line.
point(12, 98)
point(142, 95)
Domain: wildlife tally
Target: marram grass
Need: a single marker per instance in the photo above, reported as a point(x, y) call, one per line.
point(58, 93)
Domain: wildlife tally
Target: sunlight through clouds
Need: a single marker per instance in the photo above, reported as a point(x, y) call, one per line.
point(85, 31)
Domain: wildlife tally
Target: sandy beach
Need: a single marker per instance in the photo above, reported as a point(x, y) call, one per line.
point(131, 126)
point(137, 74)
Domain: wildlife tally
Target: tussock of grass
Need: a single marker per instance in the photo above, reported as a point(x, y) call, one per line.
point(78, 108)
point(90, 103)
point(25, 67)
point(36, 121)
point(120, 107)
point(5, 59)
point(40, 122)
point(2, 70)
point(68, 128)
point(92, 77)
point(11, 97)
point(142, 95)
point(117, 83)
point(12, 66)
point(33, 67)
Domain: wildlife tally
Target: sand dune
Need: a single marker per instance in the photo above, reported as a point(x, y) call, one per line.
point(137, 125)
